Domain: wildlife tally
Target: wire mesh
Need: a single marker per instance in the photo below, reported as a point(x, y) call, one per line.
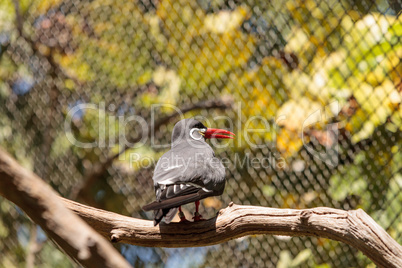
point(90, 92)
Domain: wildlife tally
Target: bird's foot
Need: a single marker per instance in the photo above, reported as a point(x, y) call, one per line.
point(182, 217)
point(198, 217)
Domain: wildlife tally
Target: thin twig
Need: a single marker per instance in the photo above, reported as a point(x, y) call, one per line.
point(33, 247)
point(18, 17)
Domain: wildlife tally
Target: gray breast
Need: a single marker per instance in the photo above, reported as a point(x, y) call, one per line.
point(198, 166)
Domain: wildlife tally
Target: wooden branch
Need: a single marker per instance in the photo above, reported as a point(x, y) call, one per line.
point(44, 207)
point(354, 227)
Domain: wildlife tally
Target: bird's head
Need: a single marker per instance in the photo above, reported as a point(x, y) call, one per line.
point(194, 130)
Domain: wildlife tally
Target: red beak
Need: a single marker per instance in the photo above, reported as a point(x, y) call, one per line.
point(218, 134)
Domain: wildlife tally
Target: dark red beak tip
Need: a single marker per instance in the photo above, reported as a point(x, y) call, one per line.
point(218, 134)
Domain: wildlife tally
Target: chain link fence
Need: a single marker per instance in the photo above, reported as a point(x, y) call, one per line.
point(90, 92)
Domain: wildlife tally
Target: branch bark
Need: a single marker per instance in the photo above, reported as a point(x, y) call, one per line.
point(44, 207)
point(354, 227)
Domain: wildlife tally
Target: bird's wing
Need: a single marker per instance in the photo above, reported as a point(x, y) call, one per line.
point(178, 194)
point(168, 174)
point(182, 180)
point(174, 190)
point(184, 165)
point(177, 201)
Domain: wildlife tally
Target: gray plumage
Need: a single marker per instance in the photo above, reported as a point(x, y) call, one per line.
point(187, 173)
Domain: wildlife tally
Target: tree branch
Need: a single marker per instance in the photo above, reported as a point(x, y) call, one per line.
point(44, 207)
point(354, 227)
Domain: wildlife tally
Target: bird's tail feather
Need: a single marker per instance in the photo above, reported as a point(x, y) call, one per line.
point(170, 215)
point(176, 201)
point(159, 214)
point(169, 207)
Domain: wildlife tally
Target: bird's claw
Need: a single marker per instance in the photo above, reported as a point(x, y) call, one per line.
point(198, 217)
point(182, 217)
point(184, 220)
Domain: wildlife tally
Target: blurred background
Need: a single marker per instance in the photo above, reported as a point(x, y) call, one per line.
point(268, 66)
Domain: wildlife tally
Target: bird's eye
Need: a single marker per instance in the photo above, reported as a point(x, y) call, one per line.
point(193, 136)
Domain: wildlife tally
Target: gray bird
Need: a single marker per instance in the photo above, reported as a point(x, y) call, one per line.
point(188, 172)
